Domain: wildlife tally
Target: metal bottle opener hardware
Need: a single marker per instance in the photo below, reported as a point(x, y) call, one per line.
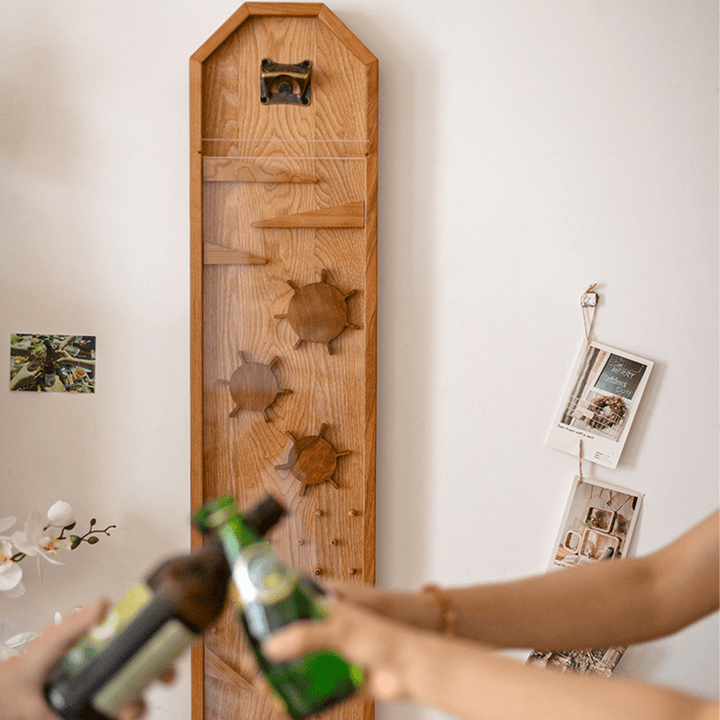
point(282, 84)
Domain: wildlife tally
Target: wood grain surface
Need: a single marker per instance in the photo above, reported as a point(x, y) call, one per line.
point(282, 195)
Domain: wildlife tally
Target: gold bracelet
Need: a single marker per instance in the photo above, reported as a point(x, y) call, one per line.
point(447, 608)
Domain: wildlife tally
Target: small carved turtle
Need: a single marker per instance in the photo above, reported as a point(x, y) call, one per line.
point(254, 387)
point(312, 460)
point(318, 312)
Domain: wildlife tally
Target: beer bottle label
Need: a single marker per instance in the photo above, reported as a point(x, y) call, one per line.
point(62, 690)
point(119, 617)
point(158, 654)
point(151, 640)
point(261, 576)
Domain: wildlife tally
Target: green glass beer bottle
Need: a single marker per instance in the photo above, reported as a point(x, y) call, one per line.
point(270, 595)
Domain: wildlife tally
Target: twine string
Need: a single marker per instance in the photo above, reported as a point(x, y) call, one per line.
point(584, 307)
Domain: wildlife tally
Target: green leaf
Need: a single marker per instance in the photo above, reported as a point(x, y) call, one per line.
point(74, 541)
point(94, 539)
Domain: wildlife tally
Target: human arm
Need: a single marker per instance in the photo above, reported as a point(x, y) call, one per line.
point(613, 602)
point(22, 677)
point(466, 679)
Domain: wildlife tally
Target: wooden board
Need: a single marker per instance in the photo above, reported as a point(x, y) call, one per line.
point(283, 256)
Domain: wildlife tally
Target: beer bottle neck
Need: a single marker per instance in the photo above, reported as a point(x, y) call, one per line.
point(234, 535)
point(194, 586)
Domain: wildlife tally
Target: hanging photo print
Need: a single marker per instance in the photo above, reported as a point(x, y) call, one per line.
point(52, 363)
point(600, 403)
point(598, 523)
point(597, 526)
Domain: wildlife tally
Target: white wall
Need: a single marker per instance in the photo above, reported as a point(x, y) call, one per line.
point(527, 150)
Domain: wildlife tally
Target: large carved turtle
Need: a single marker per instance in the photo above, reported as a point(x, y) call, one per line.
point(254, 387)
point(318, 312)
point(312, 460)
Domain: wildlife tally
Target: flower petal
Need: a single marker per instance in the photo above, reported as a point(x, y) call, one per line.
point(16, 592)
point(49, 556)
point(10, 576)
point(6, 523)
point(23, 544)
point(61, 514)
point(34, 527)
point(20, 639)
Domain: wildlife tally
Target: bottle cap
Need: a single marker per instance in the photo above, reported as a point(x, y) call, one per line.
point(264, 516)
point(214, 512)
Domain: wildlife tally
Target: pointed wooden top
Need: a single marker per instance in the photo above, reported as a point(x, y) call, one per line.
point(254, 9)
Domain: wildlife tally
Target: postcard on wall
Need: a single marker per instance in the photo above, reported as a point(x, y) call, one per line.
point(600, 403)
point(52, 363)
point(597, 526)
point(598, 523)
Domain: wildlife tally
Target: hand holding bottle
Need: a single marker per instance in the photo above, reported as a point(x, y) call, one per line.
point(271, 594)
point(416, 608)
point(149, 627)
point(22, 677)
point(360, 635)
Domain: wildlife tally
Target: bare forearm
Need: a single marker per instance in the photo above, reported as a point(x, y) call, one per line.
point(463, 679)
point(469, 680)
point(568, 609)
point(591, 606)
point(615, 602)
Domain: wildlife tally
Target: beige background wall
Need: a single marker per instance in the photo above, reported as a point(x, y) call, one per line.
point(527, 150)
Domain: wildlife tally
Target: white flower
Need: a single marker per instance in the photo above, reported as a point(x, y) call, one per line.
point(54, 545)
point(34, 541)
point(10, 573)
point(14, 645)
point(61, 514)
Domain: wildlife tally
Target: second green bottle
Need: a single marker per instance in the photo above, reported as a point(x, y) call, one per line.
point(270, 595)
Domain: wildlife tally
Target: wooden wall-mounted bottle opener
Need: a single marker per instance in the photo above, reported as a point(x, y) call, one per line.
point(283, 166)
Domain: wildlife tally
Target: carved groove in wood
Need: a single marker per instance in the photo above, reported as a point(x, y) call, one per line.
point(254, 386)
point(318, 312)
point(313, 460)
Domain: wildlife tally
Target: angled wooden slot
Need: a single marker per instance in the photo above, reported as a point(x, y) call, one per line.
point(217, 668)
point(224, 169)
point(350, 215)
point(217, 255)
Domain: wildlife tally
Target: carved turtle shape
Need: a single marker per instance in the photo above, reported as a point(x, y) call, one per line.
point(254, 387)
point(318, 312)
point(312, 460)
